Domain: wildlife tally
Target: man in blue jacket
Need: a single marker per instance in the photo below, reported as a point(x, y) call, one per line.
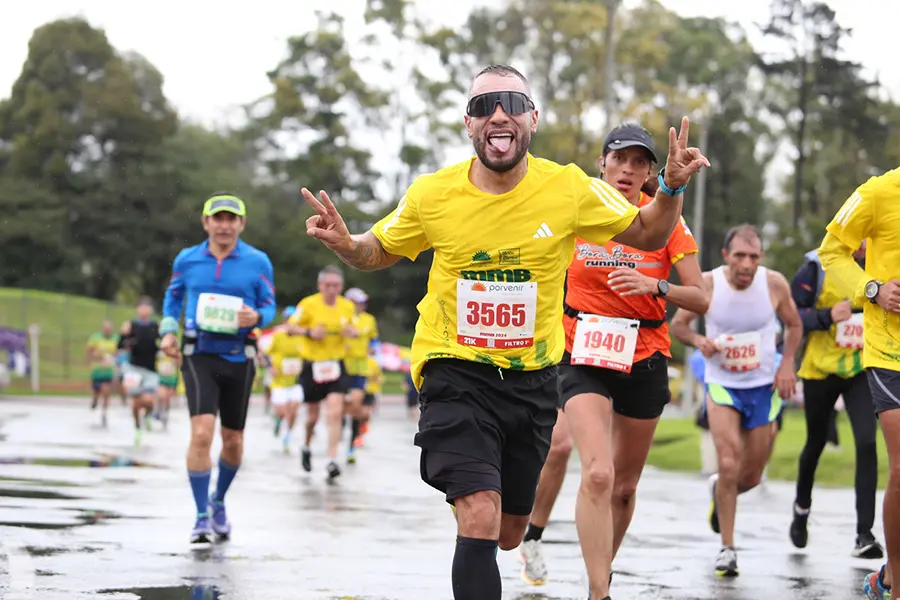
point(226, 289)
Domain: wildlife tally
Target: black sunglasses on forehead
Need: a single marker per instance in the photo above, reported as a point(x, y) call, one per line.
point(513, 103)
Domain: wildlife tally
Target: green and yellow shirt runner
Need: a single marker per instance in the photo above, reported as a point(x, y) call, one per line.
point(167, 368)
point(837, 350)
point(102, 351)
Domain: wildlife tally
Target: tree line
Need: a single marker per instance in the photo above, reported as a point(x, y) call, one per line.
point(101, 181)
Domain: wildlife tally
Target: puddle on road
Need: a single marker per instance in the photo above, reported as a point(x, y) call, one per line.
point(182, 592)
point(94, 463)
point(35, 494)
point(41, 482)
point(86, 517)
point(41, 552)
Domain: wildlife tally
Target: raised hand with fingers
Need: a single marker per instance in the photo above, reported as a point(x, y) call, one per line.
point(682, 161)
point(326, 225)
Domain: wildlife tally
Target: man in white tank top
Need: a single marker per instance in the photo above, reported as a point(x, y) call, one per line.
point(744, 387)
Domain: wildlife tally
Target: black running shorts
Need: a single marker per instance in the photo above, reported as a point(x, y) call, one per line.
point(214, 385)
point(641, 394)
point(486, 429)
point(316, 392)
point(884, 384)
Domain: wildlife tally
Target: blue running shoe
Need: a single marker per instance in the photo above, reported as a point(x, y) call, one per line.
point(202, 533)
point(873, 588)
point(220, 524)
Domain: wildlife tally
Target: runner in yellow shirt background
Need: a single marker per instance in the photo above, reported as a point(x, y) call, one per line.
point(101, 351)
point(325, 319)
point(285, 354)
point(373, 389)
point(363, 335)
point(168, 369)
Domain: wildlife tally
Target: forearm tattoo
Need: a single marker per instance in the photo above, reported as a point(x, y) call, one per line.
point(365, 255)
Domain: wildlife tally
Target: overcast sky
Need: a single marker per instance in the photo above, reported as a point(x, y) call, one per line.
point(214, 55)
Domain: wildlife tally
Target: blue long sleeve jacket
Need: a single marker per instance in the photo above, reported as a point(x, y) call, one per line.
point(245, 273)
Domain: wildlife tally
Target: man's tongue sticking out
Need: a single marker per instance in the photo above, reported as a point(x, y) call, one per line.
point(500, 143)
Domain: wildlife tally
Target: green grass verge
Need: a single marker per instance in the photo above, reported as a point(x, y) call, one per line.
point(66, 323)
point(676, 447)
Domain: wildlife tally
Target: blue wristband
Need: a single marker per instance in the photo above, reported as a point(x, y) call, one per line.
point(666, 189)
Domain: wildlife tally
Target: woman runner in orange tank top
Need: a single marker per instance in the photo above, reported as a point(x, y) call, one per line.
point(614, 379)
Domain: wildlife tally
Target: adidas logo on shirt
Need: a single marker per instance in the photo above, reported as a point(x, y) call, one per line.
point(543, 232)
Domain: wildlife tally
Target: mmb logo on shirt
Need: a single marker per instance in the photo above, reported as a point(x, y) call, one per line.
point(507, 275)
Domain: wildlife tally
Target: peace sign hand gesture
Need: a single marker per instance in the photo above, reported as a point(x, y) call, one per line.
point(326, 225)
point(682, 162)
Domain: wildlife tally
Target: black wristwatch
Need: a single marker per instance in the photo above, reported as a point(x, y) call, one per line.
point(872, 289)
point(662, 288)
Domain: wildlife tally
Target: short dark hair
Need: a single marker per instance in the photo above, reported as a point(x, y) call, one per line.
point(506, 71)
point(744, 231)
point(145, 300)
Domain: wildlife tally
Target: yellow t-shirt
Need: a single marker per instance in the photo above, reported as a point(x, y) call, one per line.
point(373, 377)
point(103, 352)
point(823, 356)
point(357, 360)
point(872, 213)
point(286, 354)
point(312, 311)
point(504, 257)
point(167, 368)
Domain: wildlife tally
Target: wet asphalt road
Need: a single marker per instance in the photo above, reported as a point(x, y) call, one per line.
point(87, 525)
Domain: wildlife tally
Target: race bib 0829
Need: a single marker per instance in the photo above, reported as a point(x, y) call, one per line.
point(605, 342)
point(495, 314)
point(740, 351)
point(218, 313)
point(850, 332)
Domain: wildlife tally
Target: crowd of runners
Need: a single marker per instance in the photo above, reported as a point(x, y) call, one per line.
point(543, 328)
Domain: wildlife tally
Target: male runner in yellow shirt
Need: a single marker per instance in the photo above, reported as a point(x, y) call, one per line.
point(872, 213)
point(364, 334)
point(503, 228)
point(101, 350)
point(325, 319)
point(373, 390)
point(286, 355)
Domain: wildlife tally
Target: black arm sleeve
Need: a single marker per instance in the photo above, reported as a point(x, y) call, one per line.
point(803, 290)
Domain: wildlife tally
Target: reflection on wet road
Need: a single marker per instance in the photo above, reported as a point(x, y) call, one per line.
point(84, 515)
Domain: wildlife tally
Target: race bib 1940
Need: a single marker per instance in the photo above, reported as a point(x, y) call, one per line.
point(740, 351)
point(850, 332)
point(495, 314)
point(218, 313)
point(292, 366)
point(605, 342)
